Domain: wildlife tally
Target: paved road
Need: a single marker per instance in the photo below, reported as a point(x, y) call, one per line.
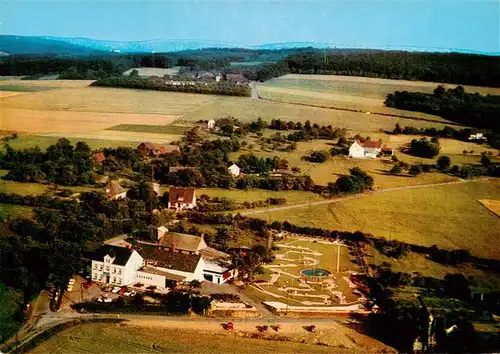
point(355, 196)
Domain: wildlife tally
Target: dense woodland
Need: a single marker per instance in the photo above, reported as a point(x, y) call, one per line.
point(455, 104)
point(158, 84)
point(438, 67)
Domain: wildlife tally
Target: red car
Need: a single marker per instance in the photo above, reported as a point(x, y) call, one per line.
point(122, 291)
point(230, 326)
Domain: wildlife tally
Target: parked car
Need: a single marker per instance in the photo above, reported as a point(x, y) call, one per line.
point(133, 293)
point(127, 293)
point(230, 326)
point(116, 289)
point(71, 281)
point(122, 291)
point(312, 328)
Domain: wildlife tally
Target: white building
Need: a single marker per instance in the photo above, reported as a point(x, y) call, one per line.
point(234, 170)
point(477, 136)
point(115, 265)
point(115, 191)
point(211, 124)
point(181, 198)
point(365, 149)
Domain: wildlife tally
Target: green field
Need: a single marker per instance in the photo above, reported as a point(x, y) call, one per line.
point(13, 211)
point(20, 88)
point(22, 188)
point(107, 338)
point(252, 195)
point(170, 129)
point(448, 216)
point(329, 171)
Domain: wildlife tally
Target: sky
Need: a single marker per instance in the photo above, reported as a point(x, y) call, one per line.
point(470, 25)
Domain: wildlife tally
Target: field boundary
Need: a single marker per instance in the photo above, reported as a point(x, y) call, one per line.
point(362, 111)
point(355, 196)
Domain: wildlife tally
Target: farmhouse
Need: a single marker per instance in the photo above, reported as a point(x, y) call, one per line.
point(234, 170)
point(365, 149)
point(211, 124)
point(181, 198)
point(148, 149)
point(477, 136)
point(115, 191)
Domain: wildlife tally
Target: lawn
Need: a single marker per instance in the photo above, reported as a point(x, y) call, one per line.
point(22, 188)
point(449, 216)
point(107, 338)
point(13, 211)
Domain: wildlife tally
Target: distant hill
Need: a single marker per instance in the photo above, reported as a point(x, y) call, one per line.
point(78, 46)
point(12, 45)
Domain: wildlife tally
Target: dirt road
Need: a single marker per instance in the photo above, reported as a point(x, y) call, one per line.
point(355, 196)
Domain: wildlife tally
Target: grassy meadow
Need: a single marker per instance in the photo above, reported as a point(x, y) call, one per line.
point(13, 211)
point(450, 217)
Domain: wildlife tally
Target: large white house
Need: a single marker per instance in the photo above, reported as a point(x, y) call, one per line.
point(211, 124)
point(234, 170)
point(365, 149)
point(115, 265)
point(173, 258)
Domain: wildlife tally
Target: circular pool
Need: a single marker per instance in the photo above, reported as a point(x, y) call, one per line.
point(314, 272)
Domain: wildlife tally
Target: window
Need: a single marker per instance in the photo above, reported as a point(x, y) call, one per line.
point(119, 271)
point(95, 265)
point(114, 270)
point(100, 267)
point(114, 280)
point(107, 268)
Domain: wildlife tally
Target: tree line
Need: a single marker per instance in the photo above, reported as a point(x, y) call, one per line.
point(61, 163)
point(455, 68)
point(158, 84)
point(455, 104)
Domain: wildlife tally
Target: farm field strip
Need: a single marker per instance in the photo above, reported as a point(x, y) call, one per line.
point(449, 216)
point(382, 86)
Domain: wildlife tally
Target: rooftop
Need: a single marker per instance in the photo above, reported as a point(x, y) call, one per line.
point(169, 260)
point(169, 276)
point(114, 188)
point(121, 255)
point(184, 195)
point(181, 242)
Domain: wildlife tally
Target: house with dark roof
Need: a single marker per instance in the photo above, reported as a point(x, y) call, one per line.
point(365, 148)
point(115, 191)
point(115, 265)
point(175, 266)
point(181, 198)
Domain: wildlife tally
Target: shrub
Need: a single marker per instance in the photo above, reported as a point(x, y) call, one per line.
point(443, 163)
point(415, 170)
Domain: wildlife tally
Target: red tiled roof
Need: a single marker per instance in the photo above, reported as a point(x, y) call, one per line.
point(99, 157)
point(181, 195)
point(370, 143)
point(148, 145)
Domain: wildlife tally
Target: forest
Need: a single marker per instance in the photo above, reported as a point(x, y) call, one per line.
point(471, 109)
point(438, 67)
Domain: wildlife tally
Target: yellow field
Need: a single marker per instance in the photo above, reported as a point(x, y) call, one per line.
point(5, 94)
point(492, 205)
point(449, 216)
point(361, 93)
point(170, 336)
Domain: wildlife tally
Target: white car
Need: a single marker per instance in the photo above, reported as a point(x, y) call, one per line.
point(127, 293)
point(70, 287)
point(107, 299)
point(71, 281)
point(116, 289)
